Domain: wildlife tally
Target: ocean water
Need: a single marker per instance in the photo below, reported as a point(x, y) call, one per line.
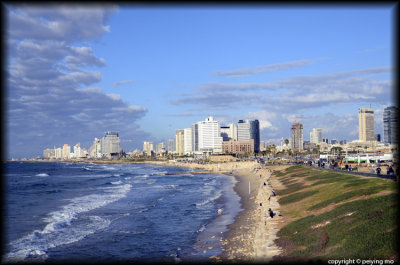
point(63, 212)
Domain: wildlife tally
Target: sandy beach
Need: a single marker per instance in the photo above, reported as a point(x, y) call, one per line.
point(251, 237)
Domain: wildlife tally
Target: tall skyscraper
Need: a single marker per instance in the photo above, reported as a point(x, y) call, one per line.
point(249, 129)
point(180, 142)
point(187, 140)
point(297, 137)
point(390, 123)
point(366, 124)
point(66, 150)
point(206, 136)
point(316, 135)
point(243, 130)
point(255, 134)
point(110, 143)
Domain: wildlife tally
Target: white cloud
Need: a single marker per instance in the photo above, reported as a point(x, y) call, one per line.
point(266, 68)
point(50, 91)
point(123, 82)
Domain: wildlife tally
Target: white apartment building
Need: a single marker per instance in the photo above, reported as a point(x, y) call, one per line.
point(179, 142)
point(148, 148)
point(209, 136)
point(187, 140)
point(229, 132)
point(243, 131)
point(316, 135)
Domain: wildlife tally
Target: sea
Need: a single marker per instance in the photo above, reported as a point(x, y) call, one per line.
point(86, 212)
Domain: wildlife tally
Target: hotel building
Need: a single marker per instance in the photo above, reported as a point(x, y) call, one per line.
point(110, 143)
point(238, 147)
point(366, 124)
point(206, 136)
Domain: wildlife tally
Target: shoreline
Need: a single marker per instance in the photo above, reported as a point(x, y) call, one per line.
point(250, 238)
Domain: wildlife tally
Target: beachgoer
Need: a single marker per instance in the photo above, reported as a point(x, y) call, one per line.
point(271, 213)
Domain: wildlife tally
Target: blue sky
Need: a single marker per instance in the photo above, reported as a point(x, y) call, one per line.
point(75, 71)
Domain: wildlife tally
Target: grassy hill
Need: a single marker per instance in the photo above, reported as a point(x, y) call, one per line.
point(336, 216)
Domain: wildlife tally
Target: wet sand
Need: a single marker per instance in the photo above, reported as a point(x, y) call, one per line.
point(251, 237)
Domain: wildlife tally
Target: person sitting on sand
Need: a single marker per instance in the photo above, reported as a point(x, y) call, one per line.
point(271, 213)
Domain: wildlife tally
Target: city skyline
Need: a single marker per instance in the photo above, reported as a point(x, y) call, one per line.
point(150, 70)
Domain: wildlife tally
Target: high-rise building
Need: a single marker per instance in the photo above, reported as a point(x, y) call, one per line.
point(171, 144)
point(58, 152)
point(180, 142)
point(66, 150)
point(95, 149)
point(110, 143)
point(243, 130)
point(390, 123)
point(249, 129)
point(366, 124)
point(161, 148)
point(297, 137)
point(206, 136)
point(148, 148)
point(77, 150)
point(316, 135)
point(187, 141)
point(255, 134)
point(229, 132)
point(195, 137)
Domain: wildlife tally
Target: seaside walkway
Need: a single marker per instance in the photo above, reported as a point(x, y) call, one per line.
point(363, 174)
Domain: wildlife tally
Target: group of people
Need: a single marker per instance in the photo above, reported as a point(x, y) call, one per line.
point(348, 167)
point(389, 170)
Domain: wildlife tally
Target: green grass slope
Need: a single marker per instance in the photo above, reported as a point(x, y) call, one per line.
point(336, 216)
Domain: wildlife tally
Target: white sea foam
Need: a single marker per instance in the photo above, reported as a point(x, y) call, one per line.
point(217, 194)
point(61, 228)
point(42, 175)
point(116, 182)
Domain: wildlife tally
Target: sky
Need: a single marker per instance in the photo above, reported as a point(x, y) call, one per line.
point(75, 71)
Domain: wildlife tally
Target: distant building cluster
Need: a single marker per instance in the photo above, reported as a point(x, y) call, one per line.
point(210, 137)
point(243, 138)
point(107, 146)
point(367, 136)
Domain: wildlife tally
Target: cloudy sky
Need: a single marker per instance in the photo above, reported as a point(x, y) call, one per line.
point(74, 71)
